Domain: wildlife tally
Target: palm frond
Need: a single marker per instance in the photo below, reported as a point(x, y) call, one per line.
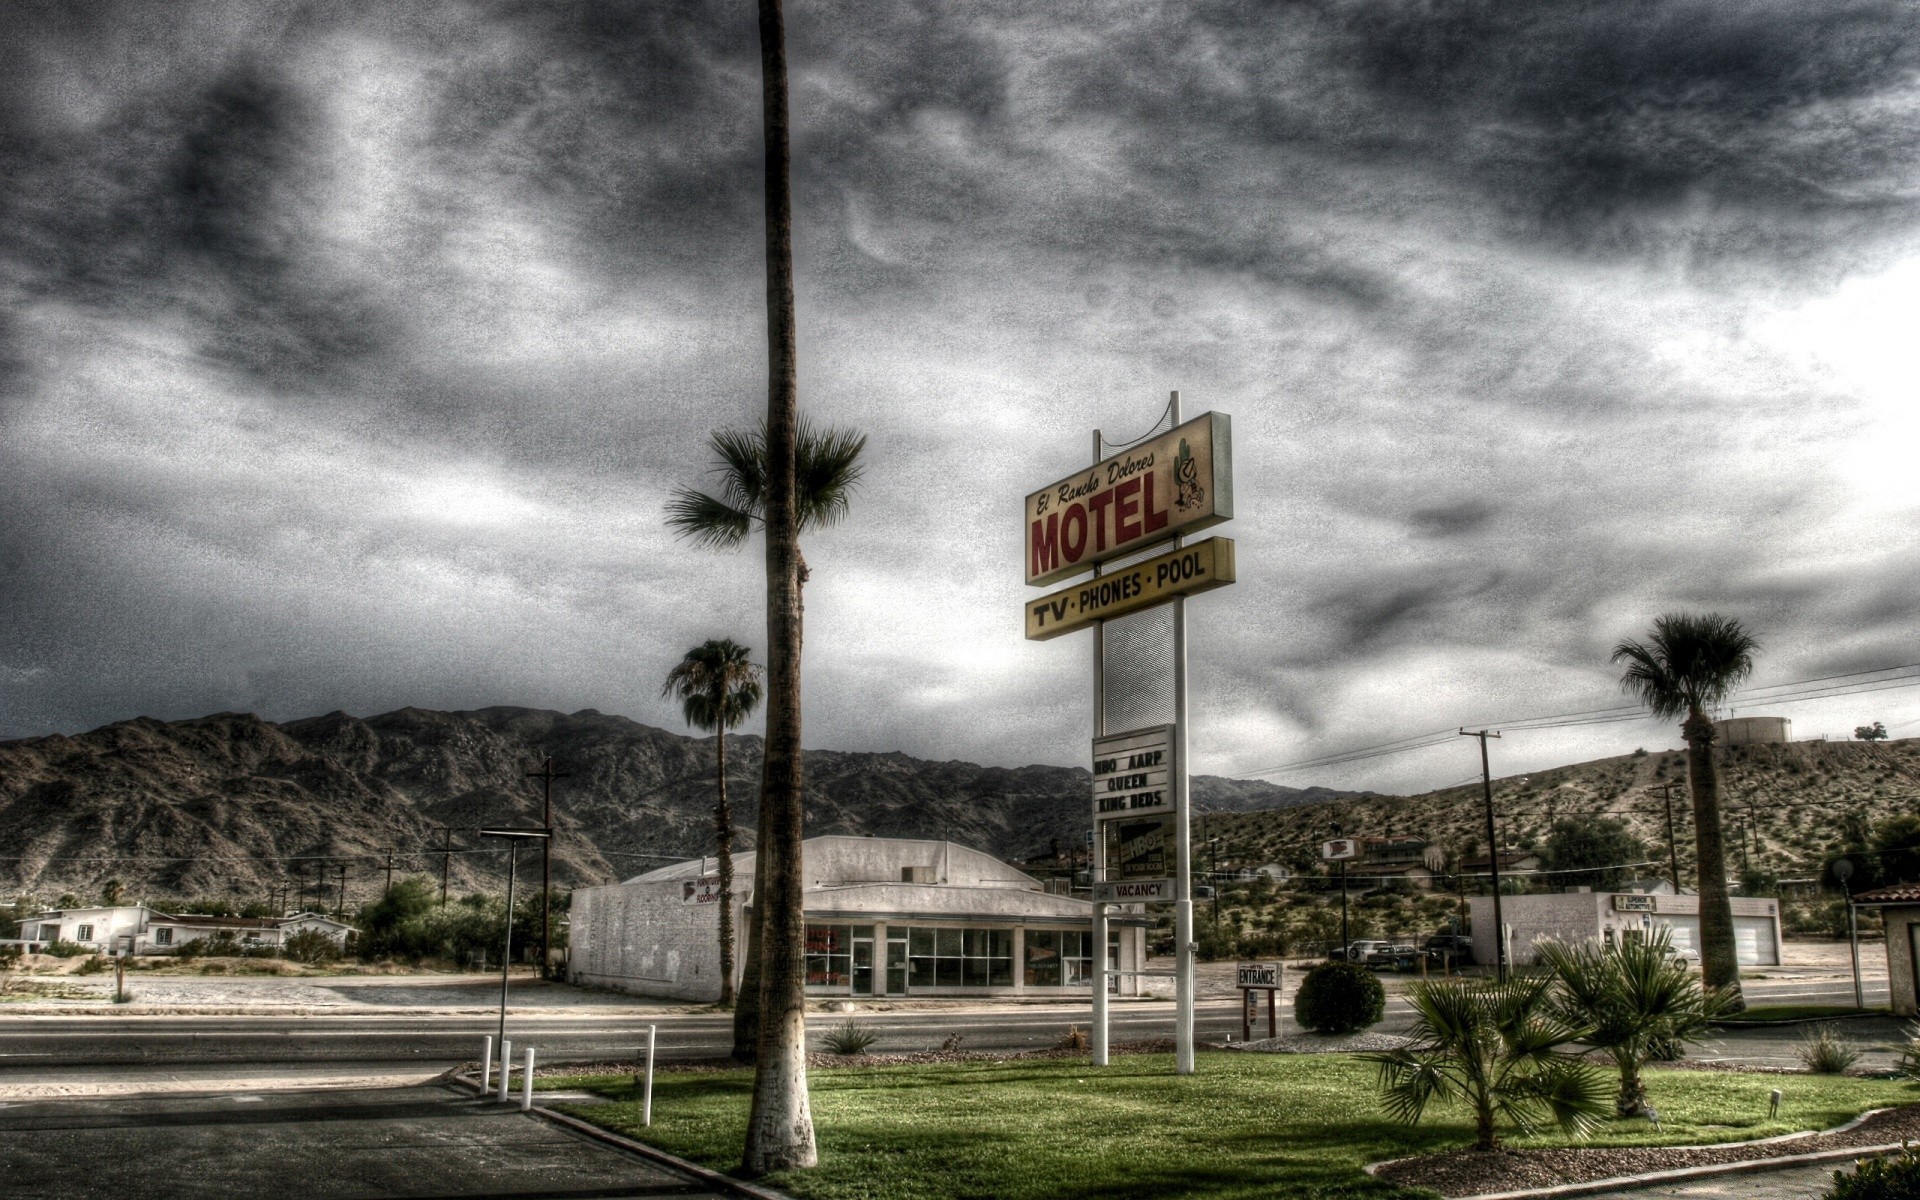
point(826, 470)
point(708, 521)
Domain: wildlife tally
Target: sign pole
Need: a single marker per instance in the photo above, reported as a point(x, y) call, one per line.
point(1096, 862)
point(1183, 869)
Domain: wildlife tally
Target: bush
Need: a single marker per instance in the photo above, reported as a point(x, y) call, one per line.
point(851, 1038)
point(312, 947)
point(1339, 998)
point(1825, 1052)
point(66, 949)
point(1893, 1178)
point(94, 965)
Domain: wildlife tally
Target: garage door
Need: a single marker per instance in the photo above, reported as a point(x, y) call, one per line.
point(1753, 942)
point(1686, 934)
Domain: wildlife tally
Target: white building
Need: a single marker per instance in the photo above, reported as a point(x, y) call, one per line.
point(885, 917)
point(142, 929)
point(1577, 916)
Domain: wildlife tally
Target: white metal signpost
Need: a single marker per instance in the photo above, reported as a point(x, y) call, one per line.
point(1174, 483)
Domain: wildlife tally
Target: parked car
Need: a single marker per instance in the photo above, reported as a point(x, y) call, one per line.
point(1355, 952)
point(1444, 946)
point(1398, 957)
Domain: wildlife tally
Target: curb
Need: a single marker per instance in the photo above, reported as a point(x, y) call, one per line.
point(713, 1179)
point(1792, 1021)
point(1681, 1174)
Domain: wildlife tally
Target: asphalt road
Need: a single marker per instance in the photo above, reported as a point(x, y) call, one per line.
point(30, 1044)
point(396, 1142)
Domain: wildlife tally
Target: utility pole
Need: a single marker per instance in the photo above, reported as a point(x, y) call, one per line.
point(546, 774)
point(446, 861)
point(389, 890)
point(1493, 856)
point(1673, 847)
point(343, 891)
point(1346, 946)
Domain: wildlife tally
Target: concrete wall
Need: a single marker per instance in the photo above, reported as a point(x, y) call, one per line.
point(645, 939)
point(1903, 921)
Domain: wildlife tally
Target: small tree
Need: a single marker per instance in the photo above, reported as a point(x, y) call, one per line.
point(111, 891)
point(312, 947)
point(1875, 732)
point(1593, 851)
point(1495, 1047)
point(1339, 998)
point(1637, 1000)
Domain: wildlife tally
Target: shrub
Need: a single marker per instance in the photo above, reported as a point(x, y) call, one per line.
point(66, 949)
point(1893, 1178)
point(93, 966)
point(312, 947)
point(1339, 998)
point(851, 1038)
point(1825, 1052)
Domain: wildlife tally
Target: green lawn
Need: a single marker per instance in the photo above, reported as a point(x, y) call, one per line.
point(1800, 1012)
point(1245, 1125)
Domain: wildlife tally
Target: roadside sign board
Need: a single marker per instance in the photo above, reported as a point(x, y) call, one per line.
point(704, 890)
point(1627, 903)
point(1259, 975)
point(1188, 571)
point(1133, 773)
point(1340, 848)
point(1136, 891)
point(1179, 482)
point(1139, 848)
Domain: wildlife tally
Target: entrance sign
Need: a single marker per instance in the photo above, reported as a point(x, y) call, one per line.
point(1179, 482)
point(1187, 571)
point(1340, 848)
point(1150, 891)
point(1259, 975)
point(1140, 847)
point(1133, 773)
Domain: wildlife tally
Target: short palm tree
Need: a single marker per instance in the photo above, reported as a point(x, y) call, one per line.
point(1497, 1048)
point(718, 687)
point(1688, 665)
point(1635, 998)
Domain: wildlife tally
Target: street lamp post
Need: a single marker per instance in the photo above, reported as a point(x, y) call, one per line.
point(513, 838)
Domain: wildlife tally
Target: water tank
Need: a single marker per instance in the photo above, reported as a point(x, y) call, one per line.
point(1754, 731)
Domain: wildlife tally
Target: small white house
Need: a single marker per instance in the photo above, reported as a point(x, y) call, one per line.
point(885, 917)
point(101, 929)
point(143, 929)
point(1578, 916)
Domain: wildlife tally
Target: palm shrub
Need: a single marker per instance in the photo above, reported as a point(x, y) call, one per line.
point(1637, 1000)
point(1496, 1048)
point(1896, 1177)
point(850, 1039)
point(1339, 998)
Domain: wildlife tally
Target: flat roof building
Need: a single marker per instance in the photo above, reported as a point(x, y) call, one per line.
point(885, 917)
point(1573, 917)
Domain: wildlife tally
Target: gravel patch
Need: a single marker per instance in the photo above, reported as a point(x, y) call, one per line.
point(1475, 1173)
point(1321, 1043)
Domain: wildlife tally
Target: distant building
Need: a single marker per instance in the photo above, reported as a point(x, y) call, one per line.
point(1517, 862)
point(1274, 871)
point(1754, 731)
point(884, 917)
point(1579, 916)
point(143, 929)
point(1899, 907)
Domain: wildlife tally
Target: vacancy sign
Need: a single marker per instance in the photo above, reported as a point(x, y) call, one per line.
point(1179, 482)
point(1133, 773)
point(1188, 571)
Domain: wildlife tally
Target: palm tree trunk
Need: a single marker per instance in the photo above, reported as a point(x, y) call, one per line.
point(1719, 961)
point(780, 1127)
point(1632, 1101)
point(723, 835)
point(746, 1005)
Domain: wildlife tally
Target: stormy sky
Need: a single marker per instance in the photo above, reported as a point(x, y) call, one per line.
point(349, 353)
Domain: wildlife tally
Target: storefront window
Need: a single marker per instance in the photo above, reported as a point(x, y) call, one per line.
point(1064, 958)
point(1043, 958)
point(959, 958)
point(829, 955)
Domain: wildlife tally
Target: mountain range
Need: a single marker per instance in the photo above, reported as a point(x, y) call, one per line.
point(231, 804)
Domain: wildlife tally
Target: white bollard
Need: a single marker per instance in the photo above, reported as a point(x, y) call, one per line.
point(506, 1067)
point(646, 1101)
point(526, 1082)
point(486, 1064)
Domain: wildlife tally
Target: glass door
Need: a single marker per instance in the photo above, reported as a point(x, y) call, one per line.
point(896, 966)
point(863, 966)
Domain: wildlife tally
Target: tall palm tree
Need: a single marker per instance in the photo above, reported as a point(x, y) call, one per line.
point(718, 688)
point(827, 470)
point(1689, 664)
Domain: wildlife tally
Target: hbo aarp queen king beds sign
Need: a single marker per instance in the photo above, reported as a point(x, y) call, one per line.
point(1179, 482)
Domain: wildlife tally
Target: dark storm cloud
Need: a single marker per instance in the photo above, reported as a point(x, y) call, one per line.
point(349, 352)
